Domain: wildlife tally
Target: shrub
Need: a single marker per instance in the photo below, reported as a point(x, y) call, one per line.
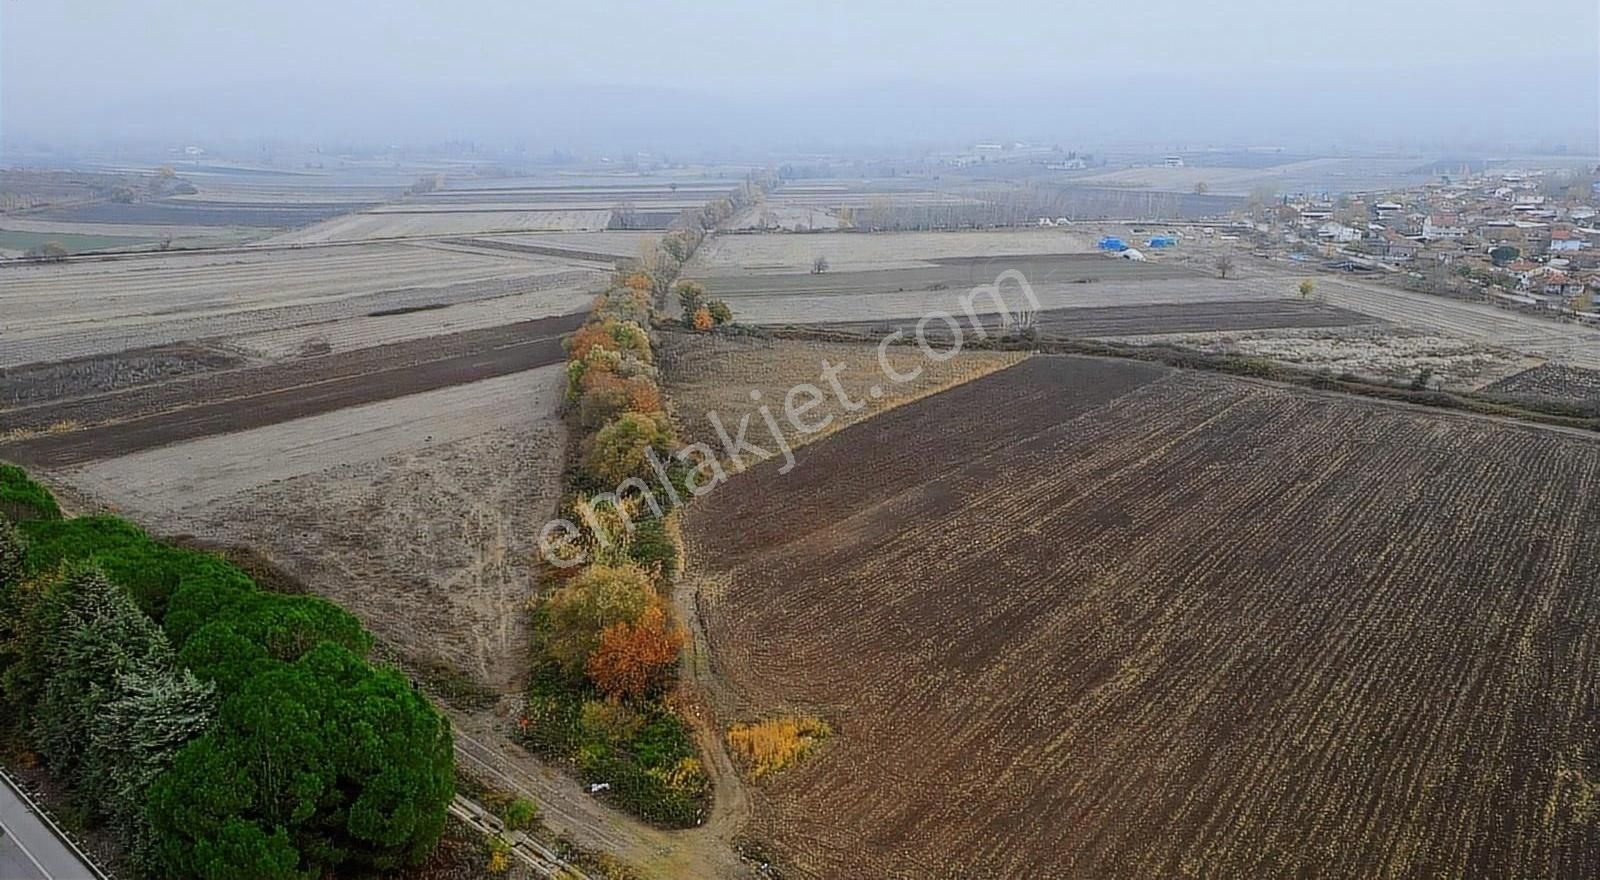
point(720, 312)
point(519, 814)
point(619, 450)
point(622, 337)
point(597, 598)
point(599, 365)
point(610, 721)
point(13, 556)
point(608, 395)
point(636, 658)
point(623, 304)
point(703, 320)
point(499, 856)
point(691, 295)
point(16, 599)
point(771, 745)
point(650, 545)
point(655, 775)
point(23, 499)
point(602, 403)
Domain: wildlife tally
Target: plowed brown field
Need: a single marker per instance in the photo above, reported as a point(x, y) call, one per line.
point(1082, 618)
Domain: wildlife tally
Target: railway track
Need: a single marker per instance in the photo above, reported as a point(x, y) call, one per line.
point(542, 859)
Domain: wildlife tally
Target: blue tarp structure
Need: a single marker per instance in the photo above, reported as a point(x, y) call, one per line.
point(1162, 241)
point(1112, 243)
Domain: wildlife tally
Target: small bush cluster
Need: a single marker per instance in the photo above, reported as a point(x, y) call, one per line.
point(698, 311)
point(219, 730)
point(23, 499)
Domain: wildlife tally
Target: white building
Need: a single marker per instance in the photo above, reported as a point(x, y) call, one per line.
point(1437, 228)
point(1337, 232)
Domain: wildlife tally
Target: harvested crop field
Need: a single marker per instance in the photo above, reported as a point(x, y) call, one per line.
point(1085, 618)
point(1057, 283)
point(1378, 351)
point(376, 225)
point(147, 416)
point(854, 251)
point(1156, 318)
point(707, 374)
point(1469, 322)
point(179, 212)
point(1553, 382)
point(412, 512)
point(39, 383)
point(91, 307)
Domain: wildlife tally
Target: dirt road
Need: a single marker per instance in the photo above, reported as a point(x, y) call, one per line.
point(568, 810)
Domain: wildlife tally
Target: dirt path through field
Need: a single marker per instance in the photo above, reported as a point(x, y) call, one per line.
point(702, 853)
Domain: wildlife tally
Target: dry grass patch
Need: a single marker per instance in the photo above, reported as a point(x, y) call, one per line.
point(65, 426)
point(769, 746)
point(709, 373)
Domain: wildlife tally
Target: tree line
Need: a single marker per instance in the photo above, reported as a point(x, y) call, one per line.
point(606, 637)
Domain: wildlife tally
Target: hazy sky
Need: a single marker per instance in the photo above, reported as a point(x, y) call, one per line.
point(827, 71)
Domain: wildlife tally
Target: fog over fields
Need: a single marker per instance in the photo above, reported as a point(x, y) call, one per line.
point(686, 76)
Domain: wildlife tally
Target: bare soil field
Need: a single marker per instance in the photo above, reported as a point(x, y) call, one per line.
point(389, 224)
point(121, 422)
point(177, 212)
point(1155, 318)
point(417, 513)
point(1382, 352)
point(1084, 618)
point(707, 374)
point(387, 327)
point(80, 308)
point(1553, 382)
point(615, 242)
point(39, 383)
point(1058, 282)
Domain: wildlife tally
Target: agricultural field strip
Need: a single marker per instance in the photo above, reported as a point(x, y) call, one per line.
point(380, 226)
point(961, 274)
point(1011, 410)
point(255, 301)
point(142, 426)
point(732, 254)
point(857, 304)
point(1577, 345)
point(533, 206)
point(1552, 381)
point(1100, 469)
point(364, 331)
point(1152, 319)
point(131, 402)
point(53, 296)
point(191, 476)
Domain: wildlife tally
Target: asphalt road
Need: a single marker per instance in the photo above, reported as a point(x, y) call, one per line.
point(29, 848)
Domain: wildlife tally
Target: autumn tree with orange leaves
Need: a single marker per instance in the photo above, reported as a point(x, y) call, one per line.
point(634, 659)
